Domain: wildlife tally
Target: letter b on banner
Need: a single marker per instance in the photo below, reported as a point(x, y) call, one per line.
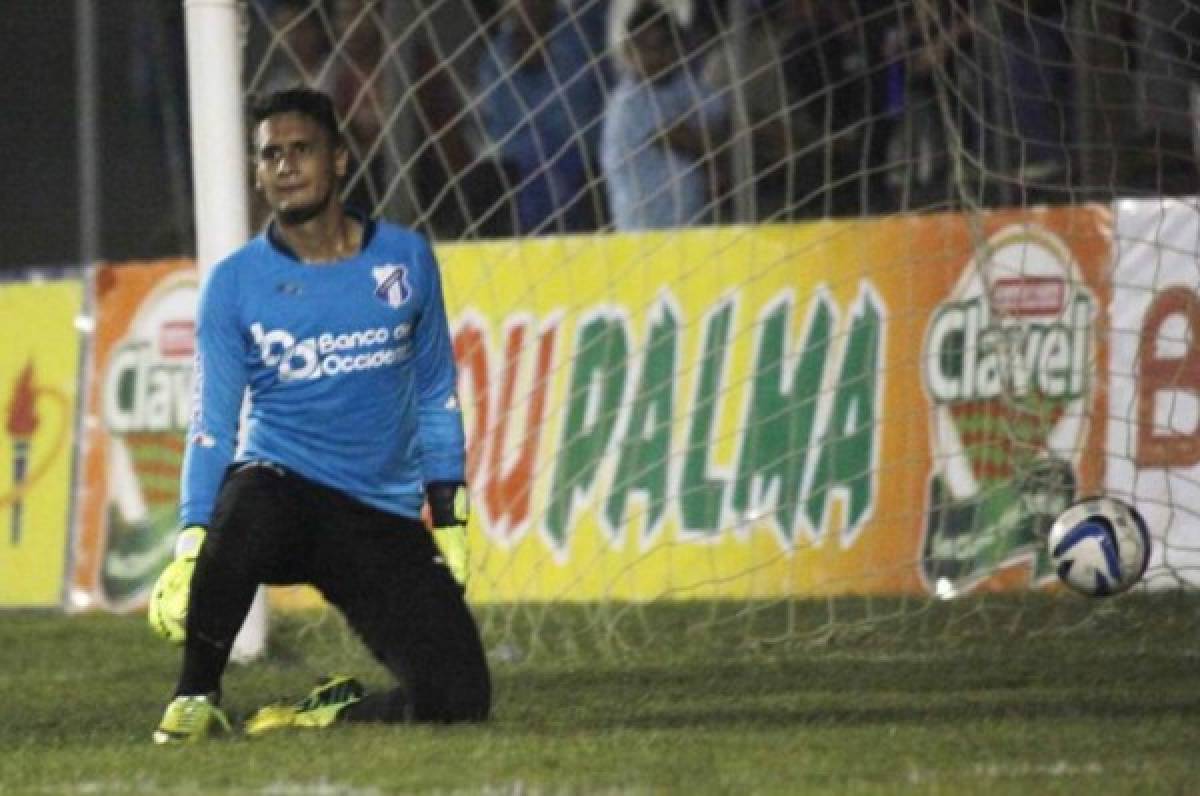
point(1168, 381)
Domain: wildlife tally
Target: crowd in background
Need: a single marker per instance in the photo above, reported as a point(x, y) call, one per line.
point(548, 116)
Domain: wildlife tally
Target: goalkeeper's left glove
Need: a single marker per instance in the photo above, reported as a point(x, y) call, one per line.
point(449, 509)
point(167, 612)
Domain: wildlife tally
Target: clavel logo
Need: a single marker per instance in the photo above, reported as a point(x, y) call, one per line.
point(1007, 367)
point(146, 402)
point(330, 354)
point(148, 383)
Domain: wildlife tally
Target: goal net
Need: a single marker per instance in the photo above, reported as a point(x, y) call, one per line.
point(794, 317)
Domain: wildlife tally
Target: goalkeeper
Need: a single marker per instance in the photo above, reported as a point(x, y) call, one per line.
point(335, 327)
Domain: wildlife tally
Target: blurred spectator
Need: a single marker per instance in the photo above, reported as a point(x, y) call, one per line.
point(923, 49)
point(748, 63)
point(684, 12)
point(1038, 65)
point(1169, 65)
point(357, 81)
point(542, 85)
point(827, 61)
point(298, 53)
point(460, 195)
point(662, 129)
point(357, 66)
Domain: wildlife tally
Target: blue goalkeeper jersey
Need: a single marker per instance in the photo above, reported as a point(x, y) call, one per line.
point(348, 367)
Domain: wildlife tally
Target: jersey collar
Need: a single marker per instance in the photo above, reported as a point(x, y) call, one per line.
point(280, 245)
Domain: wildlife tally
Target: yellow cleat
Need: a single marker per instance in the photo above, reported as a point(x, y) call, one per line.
point(320, 708)
point(189, 719)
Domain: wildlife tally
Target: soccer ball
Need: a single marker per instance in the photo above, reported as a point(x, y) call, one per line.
point(1099, 546)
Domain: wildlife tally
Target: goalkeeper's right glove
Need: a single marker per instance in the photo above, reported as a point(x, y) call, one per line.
point(167, 612)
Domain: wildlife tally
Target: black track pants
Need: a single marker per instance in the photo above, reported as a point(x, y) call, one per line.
point(379, 569)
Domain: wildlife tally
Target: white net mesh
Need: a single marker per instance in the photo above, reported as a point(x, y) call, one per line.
point(820, 109)
point(764, 301)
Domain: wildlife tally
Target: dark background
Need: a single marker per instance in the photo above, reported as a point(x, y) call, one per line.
point(144, 199)
point(38, 133)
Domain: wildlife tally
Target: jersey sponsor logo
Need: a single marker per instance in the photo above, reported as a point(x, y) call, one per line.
point(391, 284)
point(329, 354)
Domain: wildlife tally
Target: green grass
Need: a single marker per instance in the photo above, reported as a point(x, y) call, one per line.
point(1023, 695)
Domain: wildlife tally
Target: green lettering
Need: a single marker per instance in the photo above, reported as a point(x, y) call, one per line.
point(779, 423)
point(594, 400)
point(701, 497)
point(645, 450)
point(847, 448)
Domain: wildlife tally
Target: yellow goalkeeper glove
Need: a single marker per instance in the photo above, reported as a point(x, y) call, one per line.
point(167, 612)
point(449, 509)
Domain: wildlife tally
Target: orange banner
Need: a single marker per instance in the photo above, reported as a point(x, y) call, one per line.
point(138, 401)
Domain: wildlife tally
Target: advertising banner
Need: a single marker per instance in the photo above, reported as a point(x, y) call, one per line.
point(890, 406)
point(39, 367)
point(881, 407)
point(1154, 394)
point(138, 401)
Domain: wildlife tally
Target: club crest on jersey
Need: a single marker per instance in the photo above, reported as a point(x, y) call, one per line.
point(391, 284)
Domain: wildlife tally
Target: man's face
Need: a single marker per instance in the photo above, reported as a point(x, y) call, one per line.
point(654, 51)
point(297, 166)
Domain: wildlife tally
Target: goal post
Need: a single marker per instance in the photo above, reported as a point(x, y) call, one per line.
point(219, 160)
point(217, 128)
point(855, 378)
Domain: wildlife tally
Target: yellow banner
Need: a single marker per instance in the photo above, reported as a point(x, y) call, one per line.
point(773, 411)
point(889, 406)
point(39, 366)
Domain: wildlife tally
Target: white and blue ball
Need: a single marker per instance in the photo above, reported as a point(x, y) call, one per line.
point(1099, 546)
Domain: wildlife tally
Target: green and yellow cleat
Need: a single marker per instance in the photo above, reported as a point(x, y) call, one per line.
point(189, 719)
point(320, 708)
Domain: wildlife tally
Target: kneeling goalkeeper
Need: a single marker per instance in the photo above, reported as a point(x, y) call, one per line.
point(334, 326)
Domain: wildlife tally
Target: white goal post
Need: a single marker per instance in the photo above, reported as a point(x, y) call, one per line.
point(219, 165)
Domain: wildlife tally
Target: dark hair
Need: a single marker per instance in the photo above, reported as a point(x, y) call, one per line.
point(316, 105)
point(648, 15)
point(297, 6)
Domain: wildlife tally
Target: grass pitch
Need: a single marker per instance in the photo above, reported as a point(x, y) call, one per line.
point(1037, 694)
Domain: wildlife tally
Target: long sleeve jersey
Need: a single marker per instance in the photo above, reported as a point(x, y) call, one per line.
point(348, 367)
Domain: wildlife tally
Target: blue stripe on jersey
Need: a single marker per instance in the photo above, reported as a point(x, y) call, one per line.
point(349, 370)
